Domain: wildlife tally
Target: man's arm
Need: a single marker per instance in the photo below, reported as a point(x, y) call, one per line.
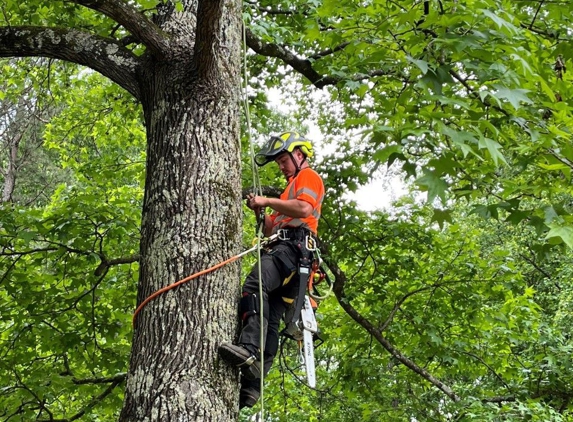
point(294, 208)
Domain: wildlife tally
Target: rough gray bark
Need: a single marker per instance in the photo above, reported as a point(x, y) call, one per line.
point(188, 83)
point(191, 221)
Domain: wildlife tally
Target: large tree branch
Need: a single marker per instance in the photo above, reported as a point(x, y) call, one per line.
point(103, 55)
point(142, 28)
point(302, 66)
point(265, 190)
point(339, 284)
point(207, 37)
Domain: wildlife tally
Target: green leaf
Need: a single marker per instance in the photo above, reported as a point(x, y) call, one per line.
point(462, 139)
point(565, 233)
point(514, 96)
point(26, 236)
point(557, 166)
point(382, 155)
point(434, 185)
point(500, 22)
point(550, 215)
point(422, 64)
point(441, 216)
point(493, 148)
point(516, 216)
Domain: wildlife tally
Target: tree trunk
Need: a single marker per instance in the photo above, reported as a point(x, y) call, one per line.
point(10, 174)
point(191, 220)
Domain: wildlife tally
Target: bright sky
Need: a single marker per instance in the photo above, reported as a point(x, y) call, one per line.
point(378, 194)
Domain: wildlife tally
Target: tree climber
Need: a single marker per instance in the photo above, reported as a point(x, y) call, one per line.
point(295, 220)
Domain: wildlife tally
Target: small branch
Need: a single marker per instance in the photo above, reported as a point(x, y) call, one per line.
point(106, 263)
point(499, 399)
point(536, 13)
point(329, 51)
point(41, 403)
point(116, 378)
point(28, 252)
point(536, 266)
point(95, 401)
point(538, 31)
point(9, 269)
point(398, 304)
point(76, 300)
point(473, 93)
point(484, 363)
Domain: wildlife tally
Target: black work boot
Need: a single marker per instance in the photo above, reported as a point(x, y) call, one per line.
point(248, 397)
point(241, 357)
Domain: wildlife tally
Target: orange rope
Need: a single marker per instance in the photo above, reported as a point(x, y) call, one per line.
point(185, 280)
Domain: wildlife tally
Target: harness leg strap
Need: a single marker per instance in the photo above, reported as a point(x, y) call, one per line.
point(250, 305)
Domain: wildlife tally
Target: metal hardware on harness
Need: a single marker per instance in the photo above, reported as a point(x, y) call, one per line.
point(261, 216)
point(290, 234)
point(310, 243)
point(270, 239)
point(282, 234)
point(300, 353)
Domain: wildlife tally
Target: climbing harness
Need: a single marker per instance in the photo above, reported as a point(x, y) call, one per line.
point(306, 246)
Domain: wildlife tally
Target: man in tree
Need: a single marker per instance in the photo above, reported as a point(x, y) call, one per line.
point(295, 220)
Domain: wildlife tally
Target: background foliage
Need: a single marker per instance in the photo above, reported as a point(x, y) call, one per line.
point(457, 307)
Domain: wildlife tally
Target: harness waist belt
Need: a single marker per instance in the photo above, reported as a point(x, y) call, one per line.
point(292, 233)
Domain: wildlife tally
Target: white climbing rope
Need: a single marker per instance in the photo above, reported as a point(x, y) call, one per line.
point(261, 225)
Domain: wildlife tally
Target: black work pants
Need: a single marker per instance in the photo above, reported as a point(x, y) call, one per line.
point(277, 266)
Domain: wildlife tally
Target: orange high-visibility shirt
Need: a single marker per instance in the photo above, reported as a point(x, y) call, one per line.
point(306, 186)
